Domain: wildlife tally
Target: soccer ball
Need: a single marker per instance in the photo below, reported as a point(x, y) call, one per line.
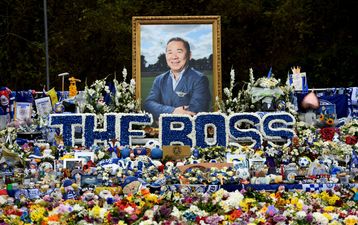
point(304, 162)
point(152, 144)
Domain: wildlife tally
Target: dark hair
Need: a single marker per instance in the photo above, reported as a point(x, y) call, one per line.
point(185, 42)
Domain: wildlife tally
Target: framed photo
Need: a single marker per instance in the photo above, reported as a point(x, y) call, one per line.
point(238, 160)
point(23, 110)
point(151, 38)
point(89, 180)
point(327, 108)
point(257, 162)
point(43, 106)
point(72, 164)
point(85, 156)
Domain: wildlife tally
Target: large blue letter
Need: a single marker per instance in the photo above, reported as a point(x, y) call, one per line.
point(93, 135)
point(245, 134)
point(127, 120)
point(66, 122)
point(275, 126)
point(217, 122)
point(175, 129)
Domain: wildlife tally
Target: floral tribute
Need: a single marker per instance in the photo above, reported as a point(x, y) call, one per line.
point(263, 94)
point(222, 207)
point(106, 183)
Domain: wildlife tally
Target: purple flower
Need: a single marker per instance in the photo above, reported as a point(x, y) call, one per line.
point(213, 220)
point(271, 210)
point(309, 217)
point(279, 218)
point(165, 210)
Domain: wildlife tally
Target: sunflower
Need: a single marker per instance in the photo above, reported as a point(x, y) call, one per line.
point(321, 117)
point(330, 121)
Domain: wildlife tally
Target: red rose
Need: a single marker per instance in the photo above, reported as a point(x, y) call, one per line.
point(351, 140)
point(327, 133)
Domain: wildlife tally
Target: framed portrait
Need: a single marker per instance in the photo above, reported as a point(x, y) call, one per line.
point(85, 156)
point(72, 163)
point(43, 106)
point(23, 110)
point(150, 40)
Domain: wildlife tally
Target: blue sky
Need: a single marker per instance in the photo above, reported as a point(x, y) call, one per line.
point(154, 38)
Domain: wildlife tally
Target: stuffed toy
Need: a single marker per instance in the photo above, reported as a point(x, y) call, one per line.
point(6, 102)
point(73, 87)
point(69, 189)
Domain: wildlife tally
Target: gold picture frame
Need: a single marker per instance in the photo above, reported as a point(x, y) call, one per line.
point(151, 33)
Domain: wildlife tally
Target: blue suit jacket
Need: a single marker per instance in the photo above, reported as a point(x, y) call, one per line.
point(192, 90)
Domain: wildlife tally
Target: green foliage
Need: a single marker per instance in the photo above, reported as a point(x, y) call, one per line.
point(92, 39)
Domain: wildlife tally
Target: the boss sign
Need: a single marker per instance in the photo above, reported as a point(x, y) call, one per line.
point(179, 129)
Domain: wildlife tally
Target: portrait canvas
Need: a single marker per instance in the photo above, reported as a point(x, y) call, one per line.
point(151, 36)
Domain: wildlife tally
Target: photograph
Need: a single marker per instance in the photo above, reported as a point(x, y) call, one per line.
point(177, 63)
point(43, 106)
point(72, 164)
point(85, 156)
point(23, 111)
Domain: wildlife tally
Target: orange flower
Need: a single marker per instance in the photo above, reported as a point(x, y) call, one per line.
point(145, 191)
point(321, 117)
point(53, 218)
point(330, 121)
point(235, 214)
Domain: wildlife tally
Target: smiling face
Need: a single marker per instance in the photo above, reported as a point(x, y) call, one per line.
point(177, 56)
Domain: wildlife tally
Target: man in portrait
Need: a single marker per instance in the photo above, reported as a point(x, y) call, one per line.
point(180, 90)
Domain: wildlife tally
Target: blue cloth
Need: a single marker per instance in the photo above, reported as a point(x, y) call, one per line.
point(192, 90)
point(340, 100)
point(24, 96)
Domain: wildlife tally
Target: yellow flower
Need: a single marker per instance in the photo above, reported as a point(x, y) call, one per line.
point(330, 121)
point(328, 216)
point(335, 222)
point(96, 211)
point(151, 198)
point(332, 200)
point(351, 220)
point(329, 208)
point(37, 213)
point(246, 203)
point(321, 117)
point(121, 222)
point(299, 204)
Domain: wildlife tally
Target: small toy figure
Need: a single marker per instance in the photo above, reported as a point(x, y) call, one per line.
point(34, 192)
point(6, 100)
point(89, 196)
point(73, 87)
point(33, 171)
point(69, 190)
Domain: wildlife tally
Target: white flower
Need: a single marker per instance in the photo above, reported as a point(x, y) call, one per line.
point(149, 213)
point(100, 155)
point(233, 201)
point(129, 210)
point(301, 215)
point(176, 213)
point(124, 72)
point(148, 222)
point(227, 92)
point(318, 218)
point(194, 209)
